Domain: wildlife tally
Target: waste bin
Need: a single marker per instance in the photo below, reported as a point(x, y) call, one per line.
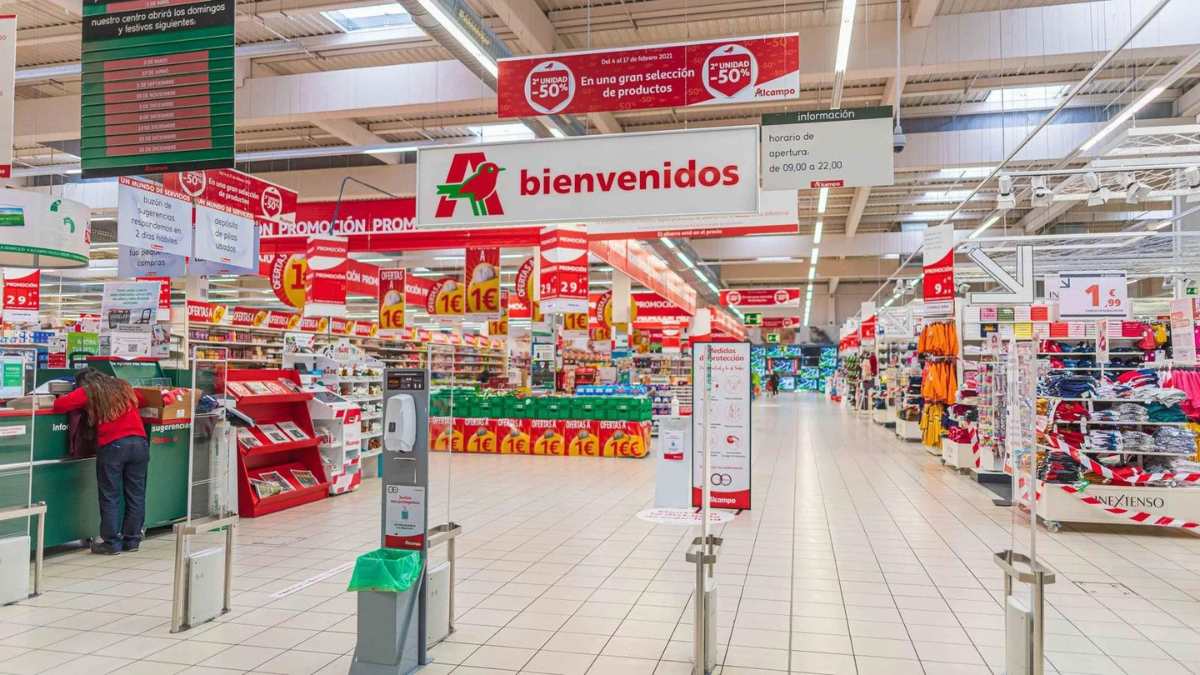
point(389, 583)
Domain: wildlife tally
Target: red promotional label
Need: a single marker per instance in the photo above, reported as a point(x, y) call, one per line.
point(22, 296)
point(483, 281)
point(781, 322)
point(340, 326)
point(416, 290)
point(164, 293)
point(761, 297)
point(366, 328)
point(520, 303)
point(563, 282)
point(238, 191)
point(282, 320)
point(392, 298)
point(202, 312)
point(677, 75)
point(938, 260)
point(285, 272)
point(314, 324)
point(867, 330)
point(249, 317)
point(355, 219)
point(362, 279)
point(325, 279)
point(445, 297)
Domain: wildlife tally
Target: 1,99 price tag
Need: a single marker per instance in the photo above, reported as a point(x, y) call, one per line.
point(1092, 295)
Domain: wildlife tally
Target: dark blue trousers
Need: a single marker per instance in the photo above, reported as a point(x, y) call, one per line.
point(121, 471)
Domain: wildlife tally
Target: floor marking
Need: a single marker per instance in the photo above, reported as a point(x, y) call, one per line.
point(316, 579)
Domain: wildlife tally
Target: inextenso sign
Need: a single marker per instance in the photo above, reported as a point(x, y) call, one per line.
point(590, 178)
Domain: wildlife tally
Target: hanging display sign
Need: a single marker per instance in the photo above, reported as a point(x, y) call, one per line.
point(761, 297)
point(563, 273)
point(224, 235)
point(43, 231)
point(845, 147)
point(392, 300)
point(8, 74)
point(151, 217)
point(416, 290)
point(366, 328)
point(777, 214)
point(588, 178)
point(325, 277)
point(677, 75)
point(483, 281)
point(640, 264)
point(575, 322)
point(164, 295)
point(158, 85)
point(1092, 295)
point(340, 326)
point(286, 273)
point(868, 322)
point(239, 192)
point(499, 327)
point(445, 297)
point(129, 306)
point(314, 324)
point(521, 304)
point(1183, 332)
point(361, 278)
point(355, 219)
point(726, 426)
point(938, 281)
point(248, 317)
point(895, 322)
point(139, 262)
point(22, 296)
point(777, 322)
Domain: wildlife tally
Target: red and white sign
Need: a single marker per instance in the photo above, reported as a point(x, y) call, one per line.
point(325, 278)
point(445, 297)
point(521, 304)
point(340, 326)
point(938, 261)
point(366, 328)
point(586, 178)
point(392, 299)
point(282, 320)
point(868, 323)
point(286, 273)
point(643, 266)
point(242, 192)
point(761, 297)
point(483, 281)
point(199, 311)
point(777, 322)
point(22, 296)
point(1091, 295)
point(249, 317)
point(726, 426)
point(164, 295)
point(416, 290)
point(563, 282)
point(777, 214)
point(356, 219)
point(678, 75)
point(362, 278)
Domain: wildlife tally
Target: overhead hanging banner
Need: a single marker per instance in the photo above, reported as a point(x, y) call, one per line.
point(355, 218)
point(40, 230)
point(710, 72)
point(761, 297)
point(153, 218)
point(777, 214)
point(224, 236)
point(325, 277)
point(22, 296)
point(362, 278)
point(8, 74)
point(445, 297)
point(847, 147)
point(521, 304)
point(726, 426)
point(483, 281)
point(286, 274)
point(938, 262)
point(563, 277)
point(392, 299)
point(585, 178)
point(158, 82)
point(1093, 295)
point(238, 191)
point(776, 322)
point(139, 262)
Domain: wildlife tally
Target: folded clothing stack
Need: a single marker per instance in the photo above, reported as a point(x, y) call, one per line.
point(1069, 386)
point(1129, 413)
point(1108, 441)
point(1059, 467)
point(1163, 395)
point(1070, 412)
point(1137, 441)
point(964, 435)
point(1176, 440)
point(1165, 413)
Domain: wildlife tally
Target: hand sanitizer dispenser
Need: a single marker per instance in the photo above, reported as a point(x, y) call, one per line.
point(400, 424)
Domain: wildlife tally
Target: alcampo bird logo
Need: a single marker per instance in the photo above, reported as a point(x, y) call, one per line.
point(476, 188)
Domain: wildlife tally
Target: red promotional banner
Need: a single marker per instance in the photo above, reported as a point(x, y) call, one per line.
point(677, 75)
point(282, 320)
point(22, 296)
point(366, 328)
point(356, 219)
point(325, 278)
point(249, 317)
point(233, 189)
point(938, 263)
point(340, 326)
point(781, 322)
point(199, 311)
point(362, 279)
point(867, 330)
point(416, 290)
point(521, 304)
point(563, 282)
point(314, 324)
point(483, 281)
point(285, 272)
point(392, 298)
point(761, 297)
point(635, 260)
point(445, 297)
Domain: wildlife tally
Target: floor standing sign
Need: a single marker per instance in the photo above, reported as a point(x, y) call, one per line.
point(721, 418)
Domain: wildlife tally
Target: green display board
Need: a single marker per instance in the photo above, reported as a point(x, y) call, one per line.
point(157, 86)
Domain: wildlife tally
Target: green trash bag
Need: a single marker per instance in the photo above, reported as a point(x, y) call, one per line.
point(386, 570)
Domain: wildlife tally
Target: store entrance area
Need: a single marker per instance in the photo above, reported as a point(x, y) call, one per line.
point(862, 554)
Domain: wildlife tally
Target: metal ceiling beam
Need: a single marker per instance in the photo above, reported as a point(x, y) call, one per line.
point(355, 134)
point(833, 284)
point(923, 12)
point(1188, 105)
point(857, 206)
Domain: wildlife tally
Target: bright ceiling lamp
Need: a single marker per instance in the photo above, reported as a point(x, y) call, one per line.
point(1161, 225)
point(983, 227)
point(845, 30)
point(1123, 116)
point(822, 200)
point(816, 255)
point(451, 26)
point(812, 272)
point(817, 232)
point(491, 133)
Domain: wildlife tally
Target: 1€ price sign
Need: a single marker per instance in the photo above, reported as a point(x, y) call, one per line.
point(1093, 295)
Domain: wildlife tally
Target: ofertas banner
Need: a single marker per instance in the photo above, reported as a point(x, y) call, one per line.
point(563, 277)
point(249, 317)
point(776, 322)
point(164, 295)
point(239, 192)
point(8, 71)
point(938, 260)
point(712, 72)
point(325, 278)
point(224, 235)
point(392, 299)
point(152, 217)
point(445, 297)
point(22, 296)
point(726, 426)
point(761, 297)
point(499, 327)
point(777, 214)
point(355, 219)
point(521, 304)
point(588, 178)
point(362, 279)
point(43, 231)
point(483, 281)
point(286, 272)
point(848, 147)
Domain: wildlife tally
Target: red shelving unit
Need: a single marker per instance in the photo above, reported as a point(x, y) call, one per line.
point(279, 457)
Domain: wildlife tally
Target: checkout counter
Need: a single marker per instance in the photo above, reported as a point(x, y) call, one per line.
point(68, 486)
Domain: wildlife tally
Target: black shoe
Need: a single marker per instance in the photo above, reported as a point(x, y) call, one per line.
point(104, 548)
point(131, 548)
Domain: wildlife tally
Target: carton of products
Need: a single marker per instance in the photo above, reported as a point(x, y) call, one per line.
point(512, 435)
point(546, 437)
point(624, 438)
point(477, 433)
point(166, 404)
point(442, 435)
point(582, 437)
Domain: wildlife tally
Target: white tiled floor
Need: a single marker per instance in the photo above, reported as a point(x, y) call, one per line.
point(862, 555)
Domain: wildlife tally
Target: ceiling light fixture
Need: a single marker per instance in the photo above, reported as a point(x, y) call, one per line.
point(822, 200)
point(812, 273)
point(1123, 116)
point(816, 255)
point(455, 30)
point(817, 232)
point(845, 31)
point(984, 226)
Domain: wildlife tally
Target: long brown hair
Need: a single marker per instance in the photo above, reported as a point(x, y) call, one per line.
point(107, 397)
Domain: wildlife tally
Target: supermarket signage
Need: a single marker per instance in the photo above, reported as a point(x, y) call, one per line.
point(249, 317)
point(643, 266)
point(752, 319)
point(585, 178)
point(483, 281)
point(325, 277)
point(158, 82)
point(12, 382)
point(392, 300)
point(1091, 295)
point(676, 75)
point(268, 202)
point(366, 328)
point(164, 295)
point(563, 273)
point(151, 217)
point(775, 322)
point(777, 214)
point(845, 147)
point(445, 297)
point(139, 262)
point(773, 338)
point(761, 297)
point(355, 218)
point(282, 320)
point(726, 426)
point(22, 296)
point(1016, 289)
point(938, 280)
point(286, 272)
point(129, 306)
point(8, 74)
point(224, 235)
point(43, 231)
point(341, 326)
point(361, 278)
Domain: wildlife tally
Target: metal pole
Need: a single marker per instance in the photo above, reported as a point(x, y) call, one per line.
point(229, 567)
point(451, 552)
point(177, 592)
point(39, 552)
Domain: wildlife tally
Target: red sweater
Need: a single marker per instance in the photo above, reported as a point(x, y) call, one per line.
point(128, 423)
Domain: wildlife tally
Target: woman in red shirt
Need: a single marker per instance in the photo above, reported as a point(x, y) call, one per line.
point(122, 455)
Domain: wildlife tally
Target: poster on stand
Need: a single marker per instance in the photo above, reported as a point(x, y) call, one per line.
point(325, 277)
point(22, 296)
point(8, 73)
point(726, 426)
point(938, 262)
point(677, 75)
point(128, 314)
point(846, 147)
point(483, 281)
point(224, 236)
point(392, 299)
point(44, 231)
point(151, 217)
point(563, 273)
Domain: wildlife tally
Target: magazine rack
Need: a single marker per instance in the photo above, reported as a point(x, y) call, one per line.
point(266, 452)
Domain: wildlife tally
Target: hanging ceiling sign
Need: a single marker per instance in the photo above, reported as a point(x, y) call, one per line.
point(22, 296)
point(563, 273)
point(224, 235)
point(355, 219)
point(40, 230)
point(938, 278)
point(238, 191)
point(777, 214)
point(1019, 289)
point(325, 277)
point(1090, 295)
point(157, 87)
point(483, 281)
point(152, 217)
point(847, 147)
point(776, 322)
point(703, 171)
point(761, 297)
point(392, 299)
point(139, 262)
point(711, 72)
point(8, 74)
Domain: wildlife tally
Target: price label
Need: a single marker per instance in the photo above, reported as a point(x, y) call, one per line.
point(575, 321)
point(1092, 295)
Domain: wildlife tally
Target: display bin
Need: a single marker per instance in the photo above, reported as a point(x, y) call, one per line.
point(551, 408)
point(584, 408)
point(519, 408)
point(488, 406)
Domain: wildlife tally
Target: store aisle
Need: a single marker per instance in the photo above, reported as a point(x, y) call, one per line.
point(862, 555)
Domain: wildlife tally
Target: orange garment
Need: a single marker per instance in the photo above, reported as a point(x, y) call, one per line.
point(939, 338)
point(939, 382)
